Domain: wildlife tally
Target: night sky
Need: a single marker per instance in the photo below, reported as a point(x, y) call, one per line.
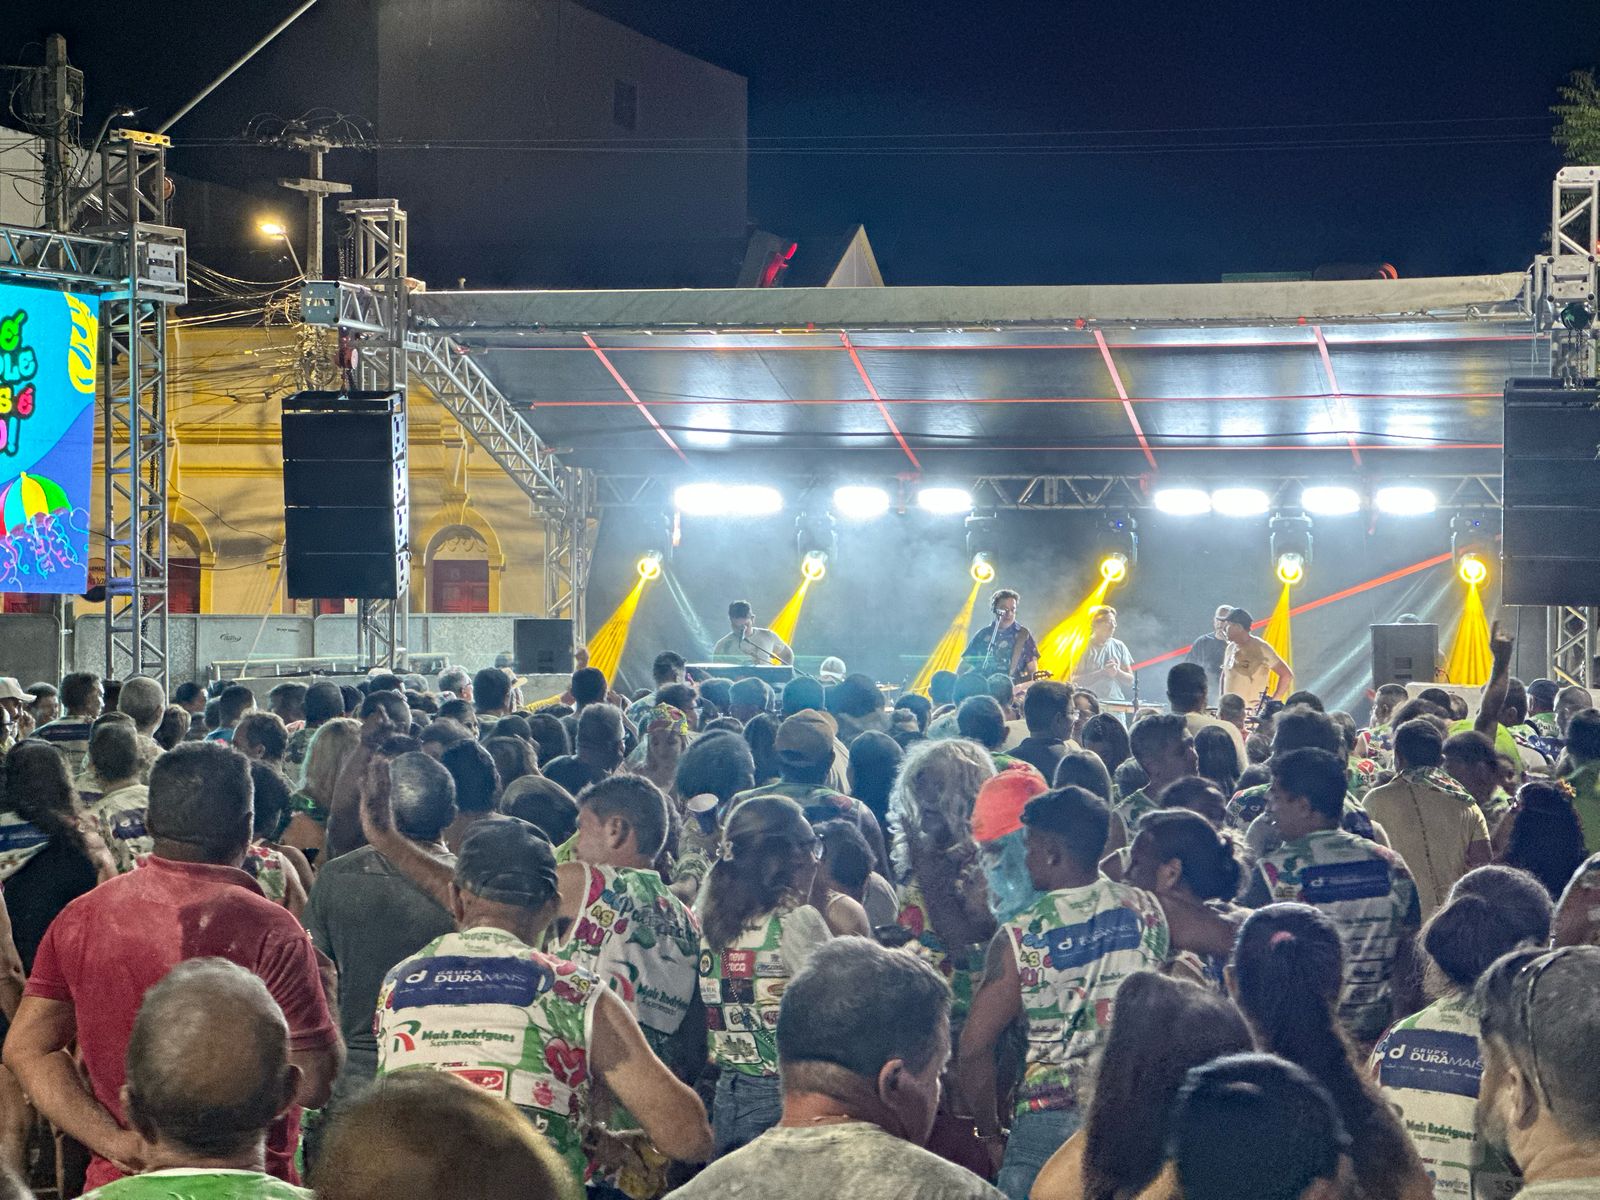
point(1412, 133)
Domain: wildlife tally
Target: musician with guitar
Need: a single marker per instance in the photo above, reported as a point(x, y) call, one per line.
point(1004, 645)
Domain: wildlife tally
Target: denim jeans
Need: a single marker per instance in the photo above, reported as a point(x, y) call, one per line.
point(745, 1107)
point(1035, 1136)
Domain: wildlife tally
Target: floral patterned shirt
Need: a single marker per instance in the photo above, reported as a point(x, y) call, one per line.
point(1367, 892)
point(482, 1005)
point(1073, 949)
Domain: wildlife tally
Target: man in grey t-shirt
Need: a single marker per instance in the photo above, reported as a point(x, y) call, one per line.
point(863, 1035)
point(366, 916)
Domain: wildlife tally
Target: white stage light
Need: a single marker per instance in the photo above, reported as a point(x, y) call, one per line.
point(1182, 502)
point(1330, 500)
point(945, 501)
point(701, 499)
point(1240, 501)
point(860, 503)
point(727, 500)
point(754, 500)
point(1405, 501)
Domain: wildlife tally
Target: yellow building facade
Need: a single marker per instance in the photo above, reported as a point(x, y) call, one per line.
point(477, 545)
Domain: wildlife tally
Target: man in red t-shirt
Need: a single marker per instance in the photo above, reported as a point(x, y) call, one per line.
point(110, 945)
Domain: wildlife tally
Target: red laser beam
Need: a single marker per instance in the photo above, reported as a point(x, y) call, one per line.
point(1338, 396)
point(1356, 590)
point(1122, 394)
point(632, 395)
point(877, 399)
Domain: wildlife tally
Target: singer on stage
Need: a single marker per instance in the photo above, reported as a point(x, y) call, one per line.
point(751, 640)
point(1004, 646)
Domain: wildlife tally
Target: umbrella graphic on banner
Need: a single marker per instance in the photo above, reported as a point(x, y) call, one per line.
point(28, 496)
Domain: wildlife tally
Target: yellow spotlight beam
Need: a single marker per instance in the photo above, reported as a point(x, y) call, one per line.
point(946, 655)
point(789, 615)
point(1279, 636)
point(1470, 660)
point(608, 642)
point(1064, 645)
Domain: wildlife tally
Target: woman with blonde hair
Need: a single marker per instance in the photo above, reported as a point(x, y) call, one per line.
point(942, 887)
point(331, 745)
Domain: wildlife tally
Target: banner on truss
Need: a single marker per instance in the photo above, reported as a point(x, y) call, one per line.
point(48, 344)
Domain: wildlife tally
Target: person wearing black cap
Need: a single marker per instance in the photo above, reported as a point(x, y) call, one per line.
point(483, 1004)
point(1249, 660)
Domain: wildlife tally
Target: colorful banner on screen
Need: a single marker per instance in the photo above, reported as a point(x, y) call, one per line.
point(48, 343)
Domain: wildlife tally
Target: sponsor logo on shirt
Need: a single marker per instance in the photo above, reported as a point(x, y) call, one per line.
point(1431, 1060)
point(466, 979)
point(1329, 883)
point(1103, 934)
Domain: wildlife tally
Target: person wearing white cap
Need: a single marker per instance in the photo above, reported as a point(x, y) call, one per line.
point(15, 724)
point(832, 670)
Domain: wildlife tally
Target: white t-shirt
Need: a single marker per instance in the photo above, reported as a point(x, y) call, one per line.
point(759, 646)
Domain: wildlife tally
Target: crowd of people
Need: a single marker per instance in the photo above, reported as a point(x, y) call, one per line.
point(433, 938)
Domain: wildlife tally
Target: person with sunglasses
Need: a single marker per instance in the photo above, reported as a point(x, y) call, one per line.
point(757, 932)
point(1540, 1094)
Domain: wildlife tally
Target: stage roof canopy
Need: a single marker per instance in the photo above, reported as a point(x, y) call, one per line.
point(1378, 380)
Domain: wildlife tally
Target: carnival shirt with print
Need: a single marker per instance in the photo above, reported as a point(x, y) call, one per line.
point(485, 1006)
point(1429, 1068)
point(1367, 892)
point(742, 985)
point(1073, 949)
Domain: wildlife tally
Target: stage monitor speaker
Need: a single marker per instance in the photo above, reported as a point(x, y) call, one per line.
point(1550, 478)
point(542, 645)
point(346, 507)
point(1404, 654)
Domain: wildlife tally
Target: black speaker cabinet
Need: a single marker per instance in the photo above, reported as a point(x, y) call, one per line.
point(1551, 485)
point(346, 508)
point(542, 645)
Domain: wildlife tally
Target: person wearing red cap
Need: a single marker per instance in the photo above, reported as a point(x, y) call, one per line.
point(997, 828)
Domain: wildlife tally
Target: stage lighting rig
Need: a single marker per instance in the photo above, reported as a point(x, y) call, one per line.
point(649, 566)
point(814, 533)
point(1471, 546)
point(1291, 545)
point(1118, 547)
point(983, 568)
point(814, 565)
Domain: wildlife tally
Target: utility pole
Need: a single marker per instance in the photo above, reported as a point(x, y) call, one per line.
point(58, 100)
point(316, 189)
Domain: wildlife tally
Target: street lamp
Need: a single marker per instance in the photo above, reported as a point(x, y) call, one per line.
point(277, 229)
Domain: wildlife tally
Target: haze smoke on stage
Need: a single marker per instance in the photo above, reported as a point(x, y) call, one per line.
point(1470, 660)
point(1279, 636)
point(1061, 648)
point(609, 641)
point(946, 655)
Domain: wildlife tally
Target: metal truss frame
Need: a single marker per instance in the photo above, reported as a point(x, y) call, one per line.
point(132, 195)
point(376, 248)
point(1038, 492)
point(371, 304)
point(1570, 275)
point(1572, 641)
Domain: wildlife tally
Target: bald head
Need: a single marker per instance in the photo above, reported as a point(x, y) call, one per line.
point(208, 1062)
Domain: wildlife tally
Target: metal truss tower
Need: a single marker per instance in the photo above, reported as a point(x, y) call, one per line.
point(1565, 304)
point(368, 306)
point(132, 195)
point(376, 245)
